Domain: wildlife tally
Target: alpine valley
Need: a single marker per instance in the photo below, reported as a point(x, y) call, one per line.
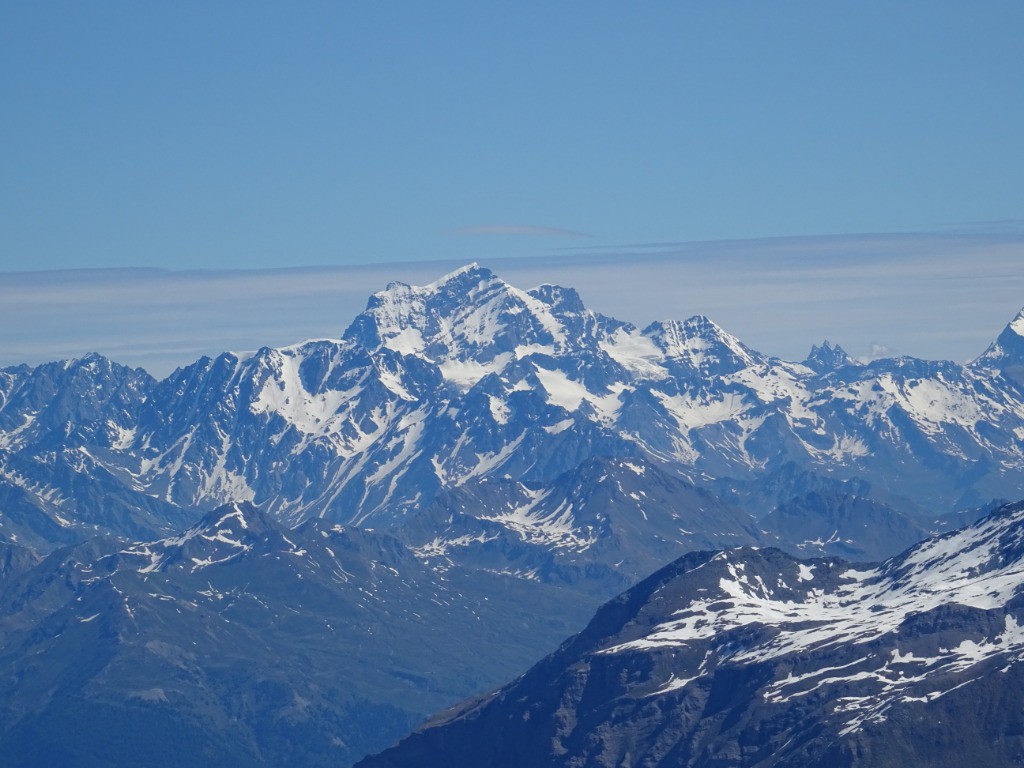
point(294, 556)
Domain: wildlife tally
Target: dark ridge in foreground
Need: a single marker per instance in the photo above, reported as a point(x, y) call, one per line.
point(752, 658)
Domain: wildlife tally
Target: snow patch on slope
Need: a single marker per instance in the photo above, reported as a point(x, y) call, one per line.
point(968, 568)
point(283, 394)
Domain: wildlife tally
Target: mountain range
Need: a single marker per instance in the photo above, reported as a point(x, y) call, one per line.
point(295, 555)
point(436, 387)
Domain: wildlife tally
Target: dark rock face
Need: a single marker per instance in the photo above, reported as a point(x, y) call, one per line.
point(749, 657)
point(841, 524)
point(15, 560)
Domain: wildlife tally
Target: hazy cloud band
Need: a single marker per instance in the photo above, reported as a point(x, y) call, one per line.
point(932, 296)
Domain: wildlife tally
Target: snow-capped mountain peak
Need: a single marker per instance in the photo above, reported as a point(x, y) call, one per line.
point(467, 304)
point(1006, 353)
point(469, 323)
point(1017, 324)
point(701, 346)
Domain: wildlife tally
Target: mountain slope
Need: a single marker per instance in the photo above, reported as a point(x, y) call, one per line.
point(62, 476)
point(843, 525)
point(239, 642)
point(600, 527)
point(749, 657)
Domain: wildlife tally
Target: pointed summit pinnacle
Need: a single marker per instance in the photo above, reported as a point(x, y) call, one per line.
point(471, 273)
point(1006, 353)
point(827, 357)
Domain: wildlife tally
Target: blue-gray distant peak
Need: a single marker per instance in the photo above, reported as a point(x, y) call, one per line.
point(1007, 351)
point(559, 298)
point(828, 357)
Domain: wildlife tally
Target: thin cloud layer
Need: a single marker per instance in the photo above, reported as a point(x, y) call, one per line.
point(519, 229)
point(931, 296)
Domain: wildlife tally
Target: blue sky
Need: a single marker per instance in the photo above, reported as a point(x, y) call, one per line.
point(196, 135)
point(795, 170)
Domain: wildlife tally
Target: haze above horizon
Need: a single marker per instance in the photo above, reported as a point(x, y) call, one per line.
point(926, 296)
